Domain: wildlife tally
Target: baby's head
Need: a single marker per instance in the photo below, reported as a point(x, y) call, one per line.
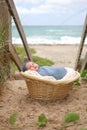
point(31, 66)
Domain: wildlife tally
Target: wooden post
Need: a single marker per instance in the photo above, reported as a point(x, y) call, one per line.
point(13, 12)
point(15, 57)
point(84, 65)
point(81, 43)
point(5, 22)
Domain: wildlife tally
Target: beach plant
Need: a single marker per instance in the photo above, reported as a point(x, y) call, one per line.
point(86, 109)
point(42, 121)
point(13, 118)
point(84, 74)
point(39, 60)
point(22, 53)
point(42, 61)
point(20, 49)
point(77, 82)
point(69, 118)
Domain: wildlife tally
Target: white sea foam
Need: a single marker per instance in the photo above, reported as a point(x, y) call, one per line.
point(50, 34)
point(46, 40)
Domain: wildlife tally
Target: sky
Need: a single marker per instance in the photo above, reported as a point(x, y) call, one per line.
point(51, 12)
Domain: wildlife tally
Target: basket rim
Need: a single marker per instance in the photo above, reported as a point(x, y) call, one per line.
point(61, 81)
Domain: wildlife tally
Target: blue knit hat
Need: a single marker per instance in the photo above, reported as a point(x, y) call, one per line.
point(24, 67)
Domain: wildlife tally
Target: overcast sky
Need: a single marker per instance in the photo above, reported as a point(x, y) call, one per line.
point(52, 12)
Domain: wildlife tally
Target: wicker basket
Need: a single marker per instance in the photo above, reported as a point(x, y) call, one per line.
point(49, 89)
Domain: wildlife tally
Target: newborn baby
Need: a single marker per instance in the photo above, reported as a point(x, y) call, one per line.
point(56, 72)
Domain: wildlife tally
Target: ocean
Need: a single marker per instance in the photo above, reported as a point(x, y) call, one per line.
point(49, 34)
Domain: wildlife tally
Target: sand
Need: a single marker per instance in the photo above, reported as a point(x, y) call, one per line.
point(62, 55)
point(15, 98)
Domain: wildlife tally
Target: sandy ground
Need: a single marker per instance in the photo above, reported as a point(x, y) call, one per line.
point(64, 55)
point(15, 98)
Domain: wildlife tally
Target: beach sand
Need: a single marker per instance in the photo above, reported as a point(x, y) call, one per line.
point(62, 55)
point(15, 97)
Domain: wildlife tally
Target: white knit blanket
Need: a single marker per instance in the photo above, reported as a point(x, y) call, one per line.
point(70, 74)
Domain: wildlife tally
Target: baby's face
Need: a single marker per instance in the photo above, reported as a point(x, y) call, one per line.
point(31, 66)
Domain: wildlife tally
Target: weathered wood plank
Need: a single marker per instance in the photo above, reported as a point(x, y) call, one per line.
point(15, 57)
point(5, 23)
point(84, 32)
point(84, 64)
point(15, 16)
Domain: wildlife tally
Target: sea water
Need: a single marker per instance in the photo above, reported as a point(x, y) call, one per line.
point(49, 34)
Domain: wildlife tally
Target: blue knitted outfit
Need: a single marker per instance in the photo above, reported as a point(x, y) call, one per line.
point(56, 72)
